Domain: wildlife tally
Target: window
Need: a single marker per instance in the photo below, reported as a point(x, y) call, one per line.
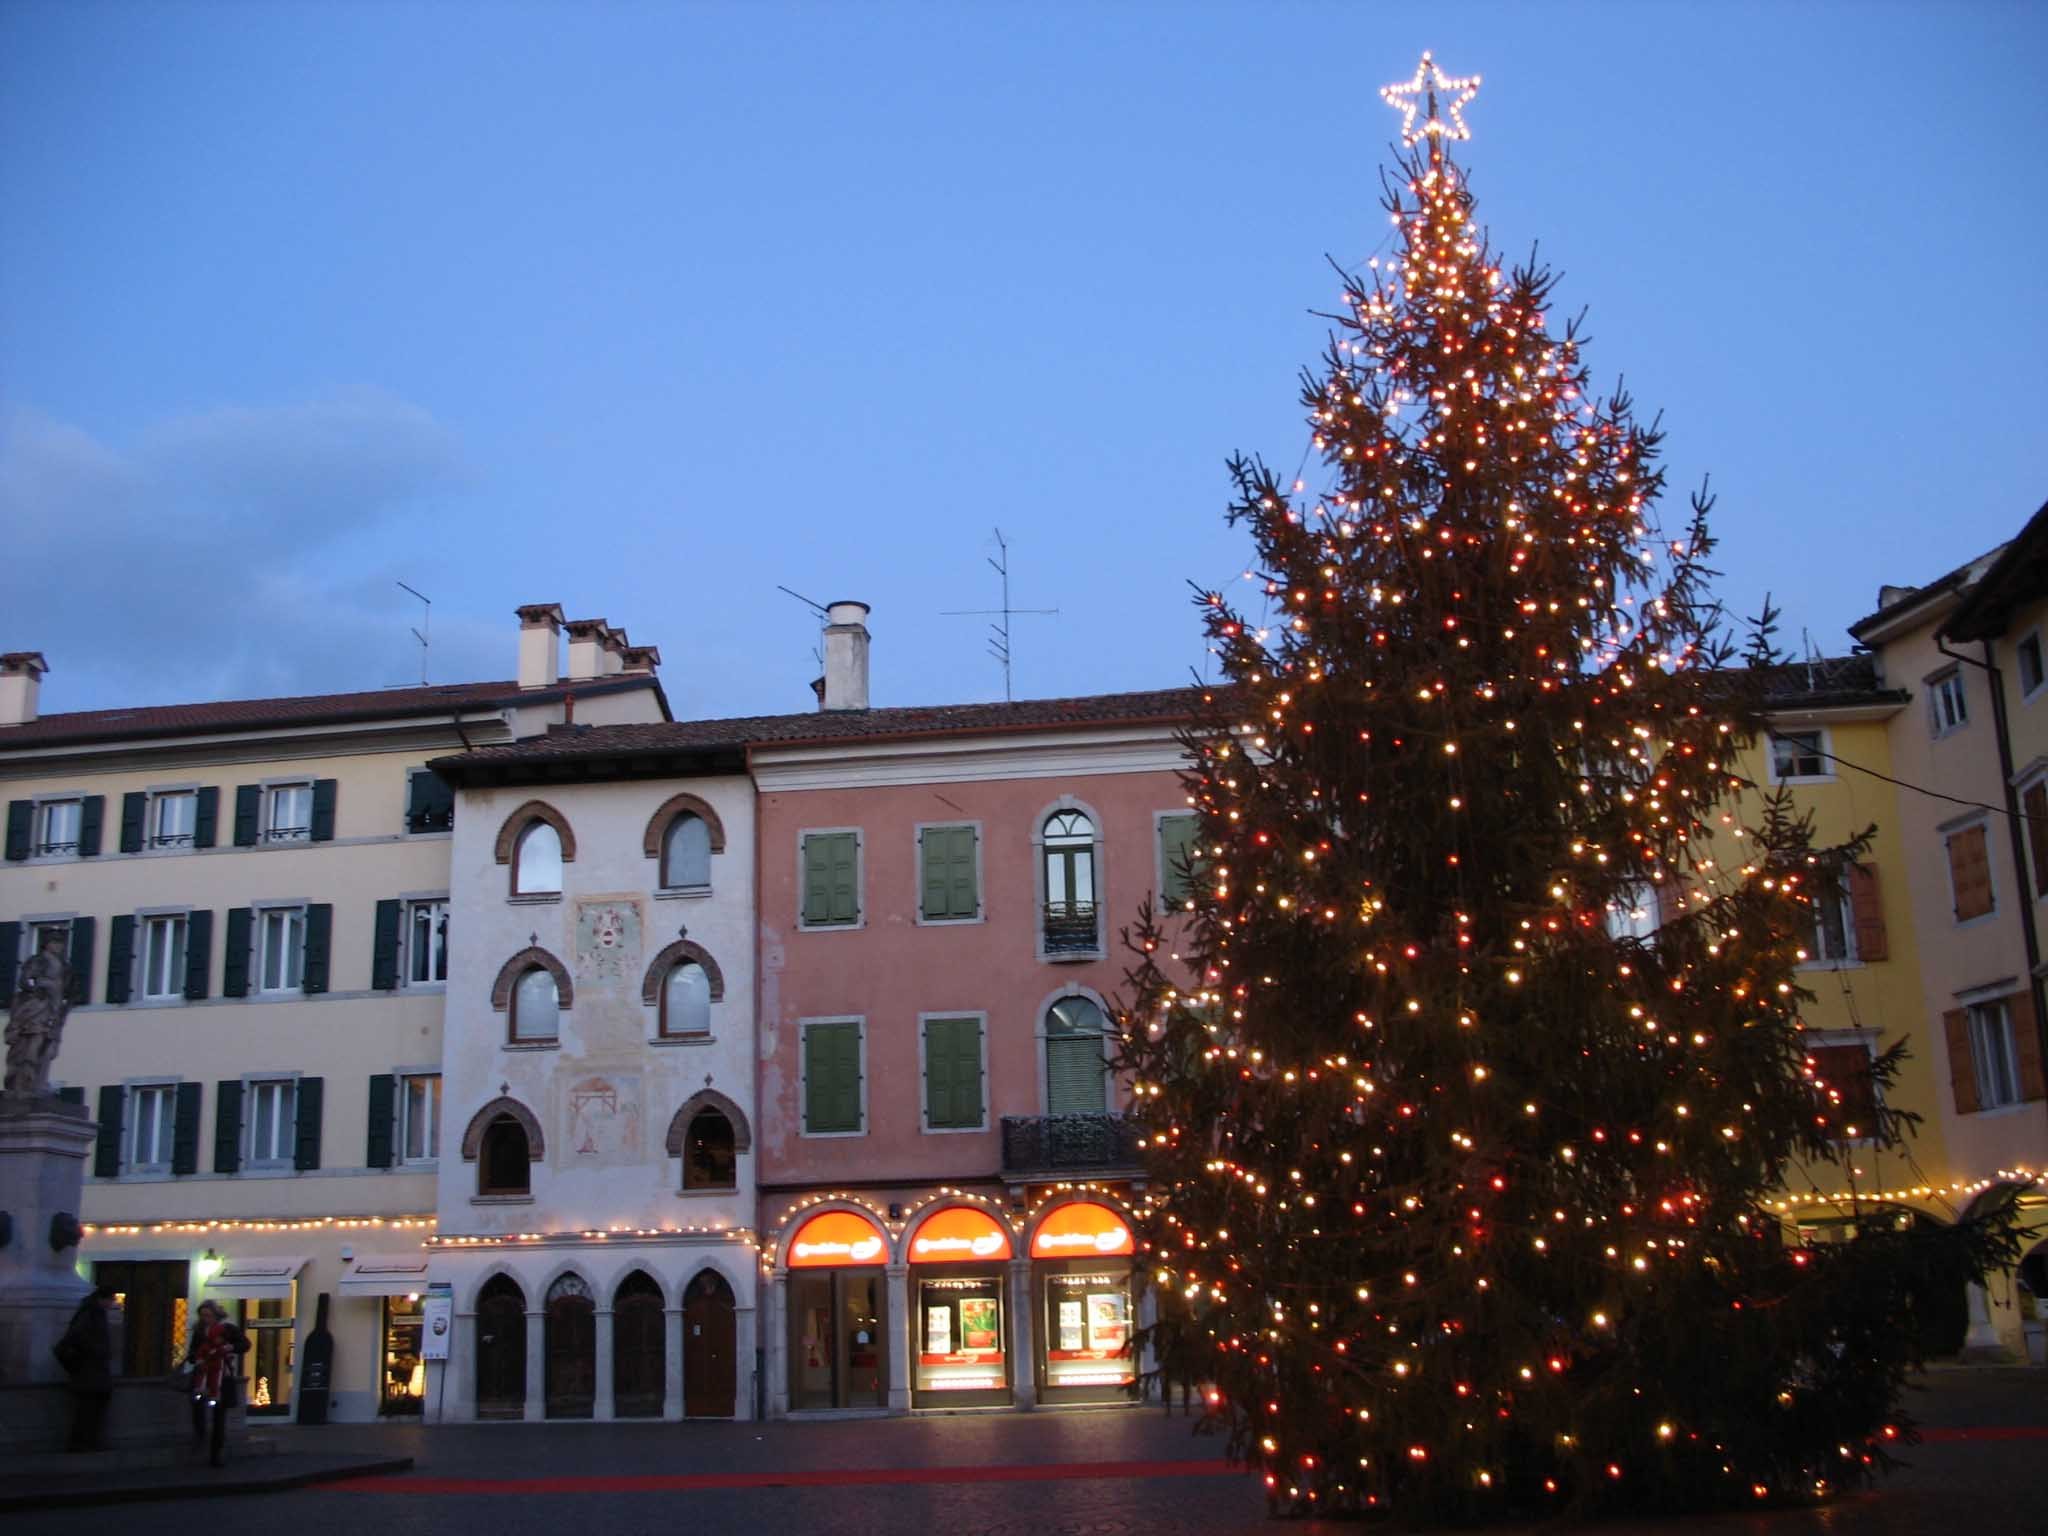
point(686, 854)
point(152, 1128)
point(1069, 844)
point(57, 827)
point(173, 817)
point(536, 1006)
point(1969, 873)
point(686, 1000)
point(1948, 703)
point(429, 802)
point(1178, 856)
point(953, 1096)
point(281, 949)
point(426, 942)
point(1799, 755)
point(504, 1164)
point(288, 813)
point(2034, 807)
point(1633, 913)
point(271, 1112)
point(949, 879)
point(1993, 1052)
point(831, 873)
point(537, 863)
point(163, 956)
point(833, 1090)
point(1834, 919)
point(1848, 1092)
point(419, 1117)
point(2028, 654)
point(710, 1154)
point(1076, 1080)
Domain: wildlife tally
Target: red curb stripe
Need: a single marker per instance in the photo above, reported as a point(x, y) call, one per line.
point(847, 1477)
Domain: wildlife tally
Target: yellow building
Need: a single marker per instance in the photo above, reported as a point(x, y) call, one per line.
point(254, 900)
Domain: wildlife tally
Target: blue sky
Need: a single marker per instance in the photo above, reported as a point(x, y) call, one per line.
point(646, 309)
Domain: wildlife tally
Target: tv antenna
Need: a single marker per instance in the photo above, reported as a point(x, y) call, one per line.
point(819, 609)
point(426, 628)
point(999, 632)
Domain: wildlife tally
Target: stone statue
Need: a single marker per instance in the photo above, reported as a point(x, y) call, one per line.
point(35, 1016)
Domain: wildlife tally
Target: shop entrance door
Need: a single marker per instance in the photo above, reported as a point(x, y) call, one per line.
point(501, 1350)
point(571, 1334)
point(153, 1315)
point(836, 1353)
point(710, 1349)
point(639, 1349)
point(271, 1322)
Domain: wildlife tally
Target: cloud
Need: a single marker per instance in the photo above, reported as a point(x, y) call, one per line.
point(202, 562)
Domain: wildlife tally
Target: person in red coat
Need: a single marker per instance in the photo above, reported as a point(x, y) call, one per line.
point(215, 1358)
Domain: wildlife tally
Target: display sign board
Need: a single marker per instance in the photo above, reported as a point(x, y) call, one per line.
point(833, 1238)
point(959, 1232)
point(1082, 1230)
point(438, 1321)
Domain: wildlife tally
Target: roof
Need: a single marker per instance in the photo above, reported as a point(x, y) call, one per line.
point(1827, 682)
point(725, 742)
point(113, 725)
point(1913, 597)
point(2019, 575)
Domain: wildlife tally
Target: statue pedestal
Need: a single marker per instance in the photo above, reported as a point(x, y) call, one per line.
point(43, 1145)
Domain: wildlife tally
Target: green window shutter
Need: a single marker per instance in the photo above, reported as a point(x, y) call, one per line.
point(78, 955)
point(306, 1157)
point(845, 873)
point(1073, 1075)
point(71, 1095)
point(234, 957)
point(20, 813)
point(185, 1129)
point(430, 803)
point(198, 954)
point(965, 884)
point(248, 808)
point(227, 1125)
point(319, 940)
point(384, 951)
point(1177, 835)
point(206, 817)
point(120, 958)
point(10, 956)
point(832, 1077)
point(950, 887)
point(383, 1116)
point(931, 844)
point(831, 878)
point(106, 1152)
point(92, 818)
point(323, 810)
point(134, 805)
point(952, 1073)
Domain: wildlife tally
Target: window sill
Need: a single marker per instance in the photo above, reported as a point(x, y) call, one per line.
point(954, 1130)
point(501, 1199)
point(682, 892)
point(683, 1040)
point(535, 899)
point(852, 927)
point(532, 1045)
point(1978, 921)
point(177, 1001)
point(2000, 1111)
point(829, 1135)
point(1830, 965)
point(431, 988)
point(1072, 956)
point(949, 922)
point(722, 1192)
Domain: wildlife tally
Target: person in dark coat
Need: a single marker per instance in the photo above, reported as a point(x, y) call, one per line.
point(215, 1357)
point(86, 1351)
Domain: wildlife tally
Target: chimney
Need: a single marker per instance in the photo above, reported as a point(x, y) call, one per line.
point(614, 652)
point(846, 656)
point(21, 681)
point(540, 645)
point(641, 660)
point(586, 649)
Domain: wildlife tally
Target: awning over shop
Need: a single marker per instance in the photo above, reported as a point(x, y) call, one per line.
point(385, 1274)
point(264, 1279)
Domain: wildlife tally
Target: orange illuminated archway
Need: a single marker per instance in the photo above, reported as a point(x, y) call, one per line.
point(958, 1232)
point(1082, 1230)
point(833, 1238)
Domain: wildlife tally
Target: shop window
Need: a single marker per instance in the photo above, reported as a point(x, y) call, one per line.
point(505, 1159)
point(404, 1367)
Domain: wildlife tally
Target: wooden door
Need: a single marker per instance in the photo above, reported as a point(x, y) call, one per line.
point(639, 1346)
point(501, 1350)
point(710, 1349)
point(571, 1334)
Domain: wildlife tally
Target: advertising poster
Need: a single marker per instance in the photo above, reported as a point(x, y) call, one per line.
point(978, 1328)
point(938, 1330)
point(1108, 1325)
point(438, 1321)
point(1073, 1331)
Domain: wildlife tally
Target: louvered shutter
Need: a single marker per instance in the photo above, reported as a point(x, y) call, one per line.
point(932, 849)
point(73, 1095)
point(1176, 852)
point(10, 956)
point(185, 1129)
point(106, 1152)
point(248, 810)
point(319, 941)
point(20, 817)
point(206, 817)
point(2034, 806)
point(1969, 868)
point(950, 888)
point(78, 955)
point(832, 1077)
point(120, 958)
point(234, 956)
point(323, 810)
point(1962, 1065)
point(952, 1062)
point(2026, 1040)
point(1868, 911)
point(1073, 1075)
point(383, 1115)
point(92, 818)
point(198, 954)
point(384, 948)
point(306, 1155)
point(227, 1125)
point(845, 885)
point(430, 803)
point(134, 806)
point(831, 886)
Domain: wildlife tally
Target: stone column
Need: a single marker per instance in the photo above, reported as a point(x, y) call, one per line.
point(602, 1408)
point(746, 1338)
point(778, 1346)
point(672, 1363)
point(451, 1383)
point(1023, 1337)
point(896, 1331)
point(536, 1365)
point(1982, 1341)
point(43, 1143)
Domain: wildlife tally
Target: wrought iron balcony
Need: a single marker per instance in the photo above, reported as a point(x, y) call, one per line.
point(1070, 928)
point(1066, 1144)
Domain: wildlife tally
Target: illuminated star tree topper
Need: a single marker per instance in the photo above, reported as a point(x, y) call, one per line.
point(1420, 94)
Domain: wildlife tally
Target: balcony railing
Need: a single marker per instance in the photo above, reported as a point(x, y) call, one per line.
point(1063, 1144)
point(1070, 928)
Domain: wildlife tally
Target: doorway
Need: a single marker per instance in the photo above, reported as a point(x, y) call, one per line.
point(836, 1353)
point(570, 1331)
point(272, 1323)
point(151, 1296)
point(710, 1349)
point(501, 1350)
point(639, 1349)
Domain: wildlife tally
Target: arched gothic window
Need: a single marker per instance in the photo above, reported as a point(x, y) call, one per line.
point(504, 1164)
point(686, 854)
point(710, 1159)
point(686, 1001)
point(536, 1006)
point(537, 861)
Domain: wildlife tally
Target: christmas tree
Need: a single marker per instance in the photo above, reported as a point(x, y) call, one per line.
point(1466, 1077)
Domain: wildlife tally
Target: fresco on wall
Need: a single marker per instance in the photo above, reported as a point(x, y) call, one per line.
point(608, 942)
point(602, 1115)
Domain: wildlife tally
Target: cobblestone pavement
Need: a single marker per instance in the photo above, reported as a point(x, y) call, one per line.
point(1984, 1472)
